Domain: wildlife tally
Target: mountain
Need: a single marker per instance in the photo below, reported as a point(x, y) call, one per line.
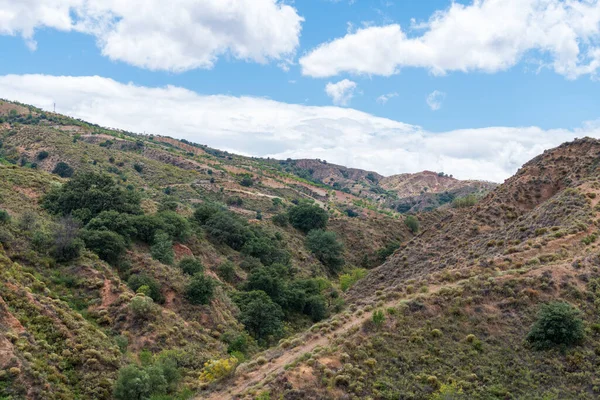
point(135, 266)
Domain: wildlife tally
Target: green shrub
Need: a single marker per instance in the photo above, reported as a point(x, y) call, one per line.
point(141, 306)
point(316, 308)
point(267, 249)
point(206, 210)
point(132, 383)
point(280, 220)
point(108, 245)
point(66, 245)
point(162, 248)
point(412, 224)
point(136, 281)
point(247, 181)
point(191, 266)
point(4, 217)
point(348, 280)
point(175, 225)
point(558, 324)
point(138, 167)
point(325, 246)
point(226, 228)
point(113, 221)
point(466, 201)
point(146, 227)
point(200, 290)
point(306, 217)
point(42, 155)
point(378, 318)
point(63, 170)
point(226, 271)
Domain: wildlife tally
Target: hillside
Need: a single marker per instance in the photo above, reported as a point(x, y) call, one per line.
point(147, 267)
point(449, 314)
point(93, 285)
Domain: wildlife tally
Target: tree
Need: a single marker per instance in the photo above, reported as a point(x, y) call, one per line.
point(88, 194)
point(42, 155)
point(63, 170)
point(306, 217)
point(146, 227)
point(269, 281)
point(191, 266)
point(108, 245)
point(133, 383)
point(175, 225)
point(558, 324)
point(162, 248)
point(205, 211)
point(316, 308)
point(247, 181)
point(113, 221)
point(259, 314)
point(325, 246)
point(200, 290)
point(223, 227)
point(412, 223)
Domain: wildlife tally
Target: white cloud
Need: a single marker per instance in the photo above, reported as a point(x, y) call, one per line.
point(487, 36)
point(174, 35)
point(435, 99)
point(384, 98)
point(263, 127)
point(342, 92)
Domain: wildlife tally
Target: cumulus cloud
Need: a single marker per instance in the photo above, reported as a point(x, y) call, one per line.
point(435, 99)
point(174, 35)
point(267, 128)
point(487, 36)
point(342, 92)
point(384, 98)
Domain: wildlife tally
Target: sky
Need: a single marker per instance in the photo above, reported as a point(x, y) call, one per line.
point(470, 88)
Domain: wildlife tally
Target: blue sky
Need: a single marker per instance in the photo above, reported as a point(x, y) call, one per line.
point(526, 76)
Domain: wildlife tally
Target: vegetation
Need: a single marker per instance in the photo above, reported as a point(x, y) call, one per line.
point(326, 247)
point(412, 224)
point(162, 248)
point(63, 170)
point(558, 324)
point(306, 217)
point(200, 290)
point(191, 266)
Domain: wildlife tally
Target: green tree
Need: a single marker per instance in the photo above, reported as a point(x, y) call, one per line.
point(412, 223)
point(175, 225)
point(316, 308)
point(67, 246)
point(200, 290)
point(225, 228)
point(108, 245)
point(162, 248)
point(325, 246)
point(306, 217)
point(113, 221)
point(558, 324)
point(146, 227)
point(226, 271)
point(133, 383)
point(206, 210)
point(191, 266)
point(63, 170)
point(260, 315)
point(88, 194)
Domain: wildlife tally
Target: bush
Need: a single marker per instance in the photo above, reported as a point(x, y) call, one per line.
point(226, 271)
point(348, 280)
point(412, 224)
point(175, 225)
point(316, 308)
point(325, 246)
point(137, 281)
point(558, 324)
point(306, 217)
point(200, 290)
point(132, 383)
point(226, 228)
point(142, 307)
point(67, 246)
point(138, 167)
point(42, 155)
point(205, 211)
point(4, 217)
point(464, 202)
point(146, 227)
point(191, 266)
point(63, 170)
point(108, 245)
point(162, 248)
point(280, 220)
point(247, 181)
point(215, 370)
point(113, 221)
point(267, 249)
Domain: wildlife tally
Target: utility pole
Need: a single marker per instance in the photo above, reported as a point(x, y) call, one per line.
point(55, 108)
